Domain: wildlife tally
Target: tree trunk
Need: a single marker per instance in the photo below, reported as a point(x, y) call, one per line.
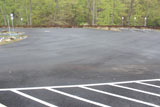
point(89, 10)
point(4, 18)
point(96, 16)
point(26, 10)
point(130, 11)
point(55, 10)
point(3, 13)
point(30, 12)
point(147, 8)
point(93, 12)
point(114, 5)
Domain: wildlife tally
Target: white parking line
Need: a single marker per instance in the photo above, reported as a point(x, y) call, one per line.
point(86, 86)
point(46, 31)
point(125, 82)
point(147, 84)
point(34, 98)
point(1, 105)
point(119, 96)
point(79, 98)
point(70, 86)
point(137, 90)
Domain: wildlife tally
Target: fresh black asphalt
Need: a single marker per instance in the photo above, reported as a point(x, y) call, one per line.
point(68, 56)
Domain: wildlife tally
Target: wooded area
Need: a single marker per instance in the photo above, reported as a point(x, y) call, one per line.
point(81, 12)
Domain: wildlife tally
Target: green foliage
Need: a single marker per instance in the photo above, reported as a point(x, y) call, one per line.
point(79, 12)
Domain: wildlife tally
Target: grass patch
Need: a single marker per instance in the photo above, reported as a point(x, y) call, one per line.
point(18, 38)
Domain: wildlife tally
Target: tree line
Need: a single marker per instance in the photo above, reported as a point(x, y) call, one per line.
point(81, 12)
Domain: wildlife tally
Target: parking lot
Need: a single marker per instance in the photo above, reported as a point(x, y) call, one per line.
point(82, 68)
point(139, 93)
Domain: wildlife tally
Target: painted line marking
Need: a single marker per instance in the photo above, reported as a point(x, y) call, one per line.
point(1, 105)
point(120, 96)
point(147, 84)
point(46, 31)
point(79, 98)
point(34, 98)
point(125, 82)
point(137, 90)
point(71, 86)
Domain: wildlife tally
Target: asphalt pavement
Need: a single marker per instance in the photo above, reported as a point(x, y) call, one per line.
point(73, 56)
